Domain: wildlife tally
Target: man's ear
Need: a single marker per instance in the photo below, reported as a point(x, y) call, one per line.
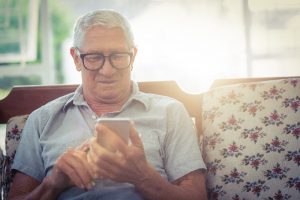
point(133, 57)
point(76, 58)
point(134, 54)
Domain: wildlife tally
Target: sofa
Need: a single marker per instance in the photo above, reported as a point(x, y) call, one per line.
point(248, 131)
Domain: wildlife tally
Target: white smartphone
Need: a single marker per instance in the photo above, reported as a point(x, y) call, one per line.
point(120, 126)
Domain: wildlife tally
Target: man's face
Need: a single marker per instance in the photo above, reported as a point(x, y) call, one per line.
point(107, 84)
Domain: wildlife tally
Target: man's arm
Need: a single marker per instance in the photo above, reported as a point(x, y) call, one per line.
point(25, 187)
point(189, 187)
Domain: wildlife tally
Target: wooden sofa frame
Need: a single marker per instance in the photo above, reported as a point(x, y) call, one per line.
point(24, 99)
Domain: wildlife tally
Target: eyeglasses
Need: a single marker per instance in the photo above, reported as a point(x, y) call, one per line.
point(95, 61)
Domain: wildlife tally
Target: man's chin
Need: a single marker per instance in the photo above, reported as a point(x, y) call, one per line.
point(107, 84)
point(107, 87)
point(108, 95)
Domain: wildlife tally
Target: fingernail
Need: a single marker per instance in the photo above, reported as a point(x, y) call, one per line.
point(86, 149)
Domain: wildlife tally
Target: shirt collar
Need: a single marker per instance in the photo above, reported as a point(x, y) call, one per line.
point(136, 95)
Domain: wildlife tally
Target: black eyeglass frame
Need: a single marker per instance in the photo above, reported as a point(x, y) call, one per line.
point(82, 55)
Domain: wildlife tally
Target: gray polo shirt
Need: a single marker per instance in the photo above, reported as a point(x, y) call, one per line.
point(165, 128)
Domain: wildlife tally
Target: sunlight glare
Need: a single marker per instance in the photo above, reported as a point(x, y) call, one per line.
point(192, 48)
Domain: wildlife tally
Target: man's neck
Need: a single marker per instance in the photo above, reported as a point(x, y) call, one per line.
point(102, 108)
point(107, 106)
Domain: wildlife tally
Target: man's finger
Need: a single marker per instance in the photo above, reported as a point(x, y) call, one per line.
point(84, 146)
point(72, 164)
point(97, 157)
point(134, 137)
point(64, 165)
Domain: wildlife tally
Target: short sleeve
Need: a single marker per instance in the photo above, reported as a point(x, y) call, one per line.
point(182, 152)
point(28, 158)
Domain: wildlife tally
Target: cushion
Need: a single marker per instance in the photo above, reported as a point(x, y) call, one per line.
point(14, 129)
point(252, 140)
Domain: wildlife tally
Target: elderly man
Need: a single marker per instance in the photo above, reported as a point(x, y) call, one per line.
point(53, 160)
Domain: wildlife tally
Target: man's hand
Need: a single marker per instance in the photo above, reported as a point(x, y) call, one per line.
point(71, 169)
point(120, 162)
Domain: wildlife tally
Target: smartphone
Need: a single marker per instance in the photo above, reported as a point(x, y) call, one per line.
point(120, 126)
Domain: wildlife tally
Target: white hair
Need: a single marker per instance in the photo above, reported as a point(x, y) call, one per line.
point(105, 18)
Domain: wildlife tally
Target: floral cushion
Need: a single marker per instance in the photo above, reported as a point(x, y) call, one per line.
point(14, 129)
point(252, 140)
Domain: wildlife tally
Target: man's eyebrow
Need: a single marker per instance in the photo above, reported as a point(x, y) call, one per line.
point(92, 52)
point(104, 52)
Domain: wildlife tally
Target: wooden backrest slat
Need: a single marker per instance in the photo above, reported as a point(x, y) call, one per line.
point(24, 99)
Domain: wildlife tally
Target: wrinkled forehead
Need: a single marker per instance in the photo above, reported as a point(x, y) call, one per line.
point(103, 38)
point(101, 33)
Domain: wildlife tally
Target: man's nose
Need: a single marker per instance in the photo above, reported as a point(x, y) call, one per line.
point(107, 68)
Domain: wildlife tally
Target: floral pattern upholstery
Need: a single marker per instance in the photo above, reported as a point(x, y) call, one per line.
point(251, 141)
point(14, 129)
